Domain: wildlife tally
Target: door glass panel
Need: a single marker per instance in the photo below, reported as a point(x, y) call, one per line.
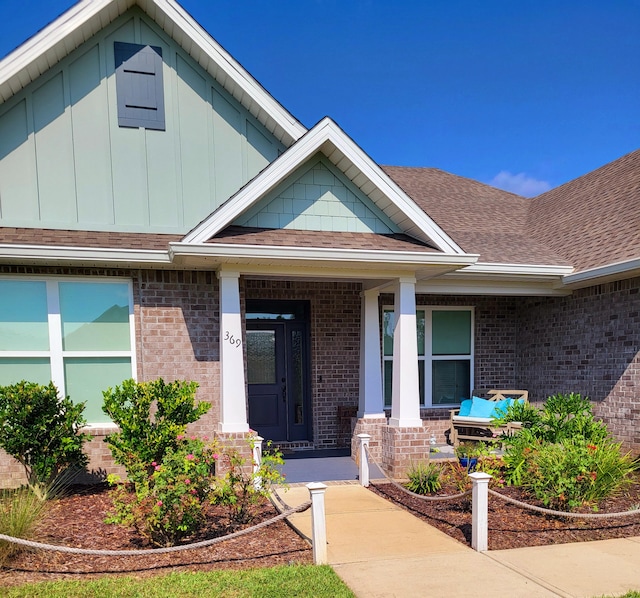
point(451, 332)
point(451, 381)
point(23, 316)
point(388, 322)
point(261, 356)
point(388, 382)
point(95, 317)
point(296, 391)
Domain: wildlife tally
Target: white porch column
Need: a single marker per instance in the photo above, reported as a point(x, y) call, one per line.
point(371, 401)
point(233, 408)
point(405, 393)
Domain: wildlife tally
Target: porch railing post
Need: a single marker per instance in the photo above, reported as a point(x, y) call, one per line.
point(257, 461)
point(364, 459)
point(318, 523)
point(480, 511)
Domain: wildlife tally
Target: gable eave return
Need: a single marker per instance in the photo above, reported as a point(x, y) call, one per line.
point(86, 18)
point(329, 139)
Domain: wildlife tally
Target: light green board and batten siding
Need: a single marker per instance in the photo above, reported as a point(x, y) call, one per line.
point(318, 197)
point(65, 162)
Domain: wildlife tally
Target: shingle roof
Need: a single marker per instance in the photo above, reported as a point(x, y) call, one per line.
point(593, 220)
point(480, 218)
point(81, 238)
point(303, 238)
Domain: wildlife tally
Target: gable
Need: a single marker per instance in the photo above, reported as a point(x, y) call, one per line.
point(317, 197)
point(67, 162)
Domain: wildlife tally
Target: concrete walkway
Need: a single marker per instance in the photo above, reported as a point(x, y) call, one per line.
point(379, 549)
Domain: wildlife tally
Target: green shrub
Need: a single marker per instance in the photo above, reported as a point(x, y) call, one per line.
point(169, 504)
point(424, 478)
point(40, 429)
point(151, 416)
point(20, 511)
point(241, 488)
point(565, 457)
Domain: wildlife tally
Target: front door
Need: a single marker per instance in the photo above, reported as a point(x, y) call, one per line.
point(278, 369)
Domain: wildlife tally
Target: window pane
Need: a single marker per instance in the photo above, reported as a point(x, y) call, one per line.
point(387, 331)
point(296, 386)
point(87, 377)
point(16, 369)
point(23, 316)
point(261, 356)
point(388, 381)
point(451, 332)
point(451, 381)
point(95, 316)
point(420, 325)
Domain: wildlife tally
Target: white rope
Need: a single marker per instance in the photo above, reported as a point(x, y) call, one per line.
point(169, 549)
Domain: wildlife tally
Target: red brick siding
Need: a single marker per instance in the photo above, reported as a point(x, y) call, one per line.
point(588, 342)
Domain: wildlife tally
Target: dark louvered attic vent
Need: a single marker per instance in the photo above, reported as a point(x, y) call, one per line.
point(139, 87)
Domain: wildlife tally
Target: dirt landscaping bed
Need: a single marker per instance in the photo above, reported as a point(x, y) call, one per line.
point(513, 527)
point(78, 521)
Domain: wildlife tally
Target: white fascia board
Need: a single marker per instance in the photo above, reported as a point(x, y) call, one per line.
point(323, 254)
point(489, 269)
point(615, 271)
point(231, 67)
point(447, 285)
point(53, 33)
point(82, 254)
point(325, 131)
point(81, 13)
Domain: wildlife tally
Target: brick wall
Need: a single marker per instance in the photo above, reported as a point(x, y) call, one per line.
point(335, 346)
point(588, 342)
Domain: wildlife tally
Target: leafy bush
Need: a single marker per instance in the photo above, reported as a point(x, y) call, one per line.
point(151, 416)
point(20, 511)
point(565, 457)
point(40, 429)
point(241, 488)
point(424, 478)
point(169, 504)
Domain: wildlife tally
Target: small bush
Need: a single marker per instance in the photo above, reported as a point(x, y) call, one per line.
point(424, 478)
point(40, 429)
point(241, 488)
point(151, 416)
point(169, 504)
point(20, 511)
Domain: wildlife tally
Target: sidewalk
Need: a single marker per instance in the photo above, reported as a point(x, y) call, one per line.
point(380, 550)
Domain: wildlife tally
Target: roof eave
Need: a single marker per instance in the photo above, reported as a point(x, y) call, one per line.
point(602, 274)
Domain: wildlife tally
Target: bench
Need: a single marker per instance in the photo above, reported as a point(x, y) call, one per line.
point(475, 421)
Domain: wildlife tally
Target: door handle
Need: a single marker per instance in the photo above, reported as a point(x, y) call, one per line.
point(284, 392)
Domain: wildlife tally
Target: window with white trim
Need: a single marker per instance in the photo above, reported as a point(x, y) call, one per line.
point(76, 332)
point(445, 354)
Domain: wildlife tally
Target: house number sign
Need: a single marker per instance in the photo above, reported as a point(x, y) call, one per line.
point(231, 339)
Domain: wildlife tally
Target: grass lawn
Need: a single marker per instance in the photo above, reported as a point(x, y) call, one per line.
point(297, 580)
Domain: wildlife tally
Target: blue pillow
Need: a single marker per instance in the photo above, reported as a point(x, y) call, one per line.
point(501, 407)
point(465, 408)
point(481, 408)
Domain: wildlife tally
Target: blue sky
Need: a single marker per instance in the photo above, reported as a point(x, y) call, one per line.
point(524, 95)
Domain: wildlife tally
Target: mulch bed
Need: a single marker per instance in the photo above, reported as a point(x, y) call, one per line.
point(78, 521)
point(513, 527)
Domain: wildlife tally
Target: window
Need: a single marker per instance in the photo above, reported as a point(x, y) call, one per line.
point(78, 333)
point(445, 354)
point(139, 87)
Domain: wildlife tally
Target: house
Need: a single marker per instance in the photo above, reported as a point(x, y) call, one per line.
point(161, 215)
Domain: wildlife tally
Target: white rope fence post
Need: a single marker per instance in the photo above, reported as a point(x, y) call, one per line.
point(480, 511)
point(318, 523)
point(257, 461)
point(364, 459)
